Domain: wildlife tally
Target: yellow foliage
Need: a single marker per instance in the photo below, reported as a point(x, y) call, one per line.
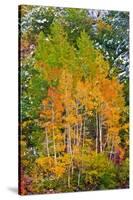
point(25, 162)
point(60, 147)
point(76, 149)
point(45, 162)
point(58, 171)
point(126, 127)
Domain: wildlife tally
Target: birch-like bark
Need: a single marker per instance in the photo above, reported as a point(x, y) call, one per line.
point(69, 140)
point(80, 136)
point(97, 132)
point(69, 178)
point(74, 139)
point(77, 128)
point(47, 142)
point(83, 133)
point(72, 168)
point(79, 178)
point(100, 133)
point(53, 132)
point(65, 138)
point(77, 135)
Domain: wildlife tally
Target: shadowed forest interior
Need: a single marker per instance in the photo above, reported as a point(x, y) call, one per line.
point(74, 99)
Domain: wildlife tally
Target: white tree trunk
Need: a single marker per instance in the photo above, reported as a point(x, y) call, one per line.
point(96, 132)
point(53, 132)
point(100, 134)
point(79, 178)
point(47, 142)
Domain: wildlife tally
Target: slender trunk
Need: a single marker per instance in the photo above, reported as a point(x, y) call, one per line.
point(80, 136)
point(77, 127)
point(83, 134)
point(79, 178)
point(69, 139)
point(68, 135)
point(54, 145)
point(100, 134)
point(96, 132)
point(77, 136)
point(83, 140)
point(69, 178)
point(74, 139)
point(106, 143)
point(47, 142)
point(53, 133)
point(69, 150)
point(64, 139)
point(72, 168)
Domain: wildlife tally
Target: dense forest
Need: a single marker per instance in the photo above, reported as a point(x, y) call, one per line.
point(74, 100)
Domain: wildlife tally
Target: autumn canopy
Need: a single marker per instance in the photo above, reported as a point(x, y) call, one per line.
point(73, 103)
